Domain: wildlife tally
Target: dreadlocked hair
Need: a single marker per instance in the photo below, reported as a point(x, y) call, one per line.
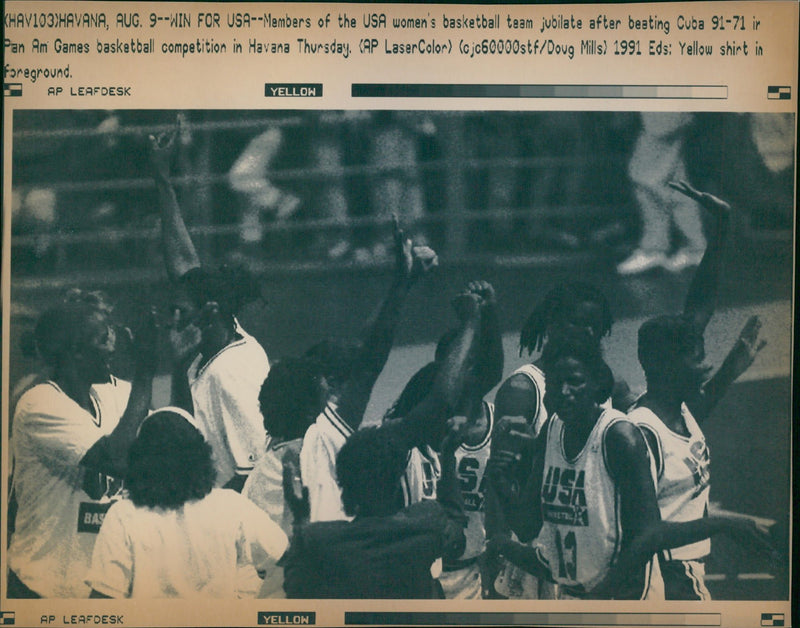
point(557, 305)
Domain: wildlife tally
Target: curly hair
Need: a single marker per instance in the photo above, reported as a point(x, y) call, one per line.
point(368, 470)
point(291, 397)
point(169, 463)
point(557, 306)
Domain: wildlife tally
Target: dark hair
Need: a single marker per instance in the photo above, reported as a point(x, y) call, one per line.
point(581, 346)
point(59, 328)
point(663, 340)
point(231, 287)
point(169, 463)
point(336, 358)
point(368, 469)
point(417, 388)
point(556, 306)
point(291, 397)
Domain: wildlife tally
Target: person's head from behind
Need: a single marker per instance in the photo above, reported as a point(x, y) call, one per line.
point(565, 309)
point(577, 379)
point(170, 462)
point(368, 469)
point(672, 354)
point(292, 396)
point(336, 359)
point(77, 335)
point(214, 298)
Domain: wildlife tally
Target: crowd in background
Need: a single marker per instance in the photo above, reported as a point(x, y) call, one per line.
point(291, 186)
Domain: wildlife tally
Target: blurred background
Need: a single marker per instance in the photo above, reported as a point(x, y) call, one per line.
point(524, 200)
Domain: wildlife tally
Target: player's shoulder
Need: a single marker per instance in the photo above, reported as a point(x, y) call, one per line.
point(518, 395)
point(44, 397)
point(621, 437)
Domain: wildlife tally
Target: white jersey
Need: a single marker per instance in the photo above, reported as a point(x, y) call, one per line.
point(321, 444)
point(536, 375)
point(582, 531)
point(225, 396)
point(461, 578)
point(57, 522)
point(683, 475)
point(189, 552)
point(264, 485)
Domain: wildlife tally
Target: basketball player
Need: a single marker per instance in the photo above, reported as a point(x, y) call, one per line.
point(225, 365)
point(460, 576)
point(70, 445)
point(512, 494)
point(350, 378)
point(387, 551)
point(678, 399)
point(601, 525)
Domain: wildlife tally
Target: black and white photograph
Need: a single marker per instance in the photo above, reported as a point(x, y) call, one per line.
point(400, 354)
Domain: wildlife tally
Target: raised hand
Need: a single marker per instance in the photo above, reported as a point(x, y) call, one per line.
point(411, 261)
point(146, 342)
point(184, 336)
point(483, 289)
point(747, 347)
point(162, 151)
point(716, 206)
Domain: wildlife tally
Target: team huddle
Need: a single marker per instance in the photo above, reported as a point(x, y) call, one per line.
point(260, 480)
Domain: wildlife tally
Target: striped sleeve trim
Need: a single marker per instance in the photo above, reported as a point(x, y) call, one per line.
point(336, 421)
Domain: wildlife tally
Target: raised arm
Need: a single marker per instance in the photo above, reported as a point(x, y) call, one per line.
point(109, 455)
point(411, 263)
point(738, 360)
point(702, 296)
point(490, 344)
point(180, 255)
point(448, 383)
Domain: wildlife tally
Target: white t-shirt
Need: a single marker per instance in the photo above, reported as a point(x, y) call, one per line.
point(264, 486)
point(225, 397)
point(189, 552)
point(57, 522)
point(321, 444)
point(582, 530)
point(682, 487)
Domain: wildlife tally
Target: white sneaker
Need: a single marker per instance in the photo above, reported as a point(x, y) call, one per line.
point(641, 261)
point(683, 259)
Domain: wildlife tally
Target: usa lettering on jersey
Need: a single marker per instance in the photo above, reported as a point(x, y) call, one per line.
point(564, 497)
point(699, 466)
point(471, 489)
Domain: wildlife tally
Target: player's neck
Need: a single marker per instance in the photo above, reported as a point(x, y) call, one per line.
point(75, 387)
point(666, 405)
